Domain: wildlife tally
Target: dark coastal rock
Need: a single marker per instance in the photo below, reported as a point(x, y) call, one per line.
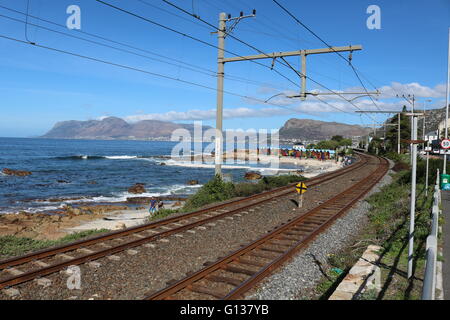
point(146, 200)
point(19, 173)
point(92, 209)
point(192, 182)
point(63, 181)
point(137, 188)
point(43, 184)
point(92, 182)
point(252, 176)
point(139, 200)
point(162, 164)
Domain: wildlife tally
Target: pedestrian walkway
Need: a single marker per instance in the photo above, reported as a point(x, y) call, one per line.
point(445, 195)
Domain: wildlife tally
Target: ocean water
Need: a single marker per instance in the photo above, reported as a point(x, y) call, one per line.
point(65, 169)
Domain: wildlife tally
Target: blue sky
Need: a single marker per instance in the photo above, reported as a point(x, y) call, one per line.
point(41, 87)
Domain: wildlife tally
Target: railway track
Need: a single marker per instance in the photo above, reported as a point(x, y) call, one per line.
point(232, 276)
point(44, 262)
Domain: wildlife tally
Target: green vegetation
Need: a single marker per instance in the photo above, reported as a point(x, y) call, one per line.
point(14, 246)
point(335, 142)
point(217, 190)
point(391, 142)
point(162, 213)
point(388, 227)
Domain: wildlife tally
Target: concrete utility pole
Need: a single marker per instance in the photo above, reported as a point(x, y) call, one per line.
point(428, 161)
point(411, 99)
point(413, 198)
point(398, 135)
point(423, 124)
point(388, 112)
point(444, 171)
point(221, 34)
point(413, 143)
point(220, 76)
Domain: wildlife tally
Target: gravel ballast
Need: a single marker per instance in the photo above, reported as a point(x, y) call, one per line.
point(304, 271)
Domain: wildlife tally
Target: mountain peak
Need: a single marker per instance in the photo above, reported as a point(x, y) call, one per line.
point(308, 129)
point(113, 128)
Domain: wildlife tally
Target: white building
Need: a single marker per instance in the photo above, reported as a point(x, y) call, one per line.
point(441, 126)
point(432, 135)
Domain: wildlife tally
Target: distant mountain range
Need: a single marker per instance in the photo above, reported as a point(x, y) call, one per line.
point(306, 129)
point(115, 128)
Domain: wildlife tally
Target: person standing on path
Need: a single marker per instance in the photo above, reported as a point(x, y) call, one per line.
point(152, 209)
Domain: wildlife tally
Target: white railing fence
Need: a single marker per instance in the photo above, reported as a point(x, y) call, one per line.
point(429, 281)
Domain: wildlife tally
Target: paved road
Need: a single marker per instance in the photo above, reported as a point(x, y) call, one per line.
point(446, 236)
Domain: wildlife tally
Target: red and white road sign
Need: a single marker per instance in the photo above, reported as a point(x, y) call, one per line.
point(445, 144)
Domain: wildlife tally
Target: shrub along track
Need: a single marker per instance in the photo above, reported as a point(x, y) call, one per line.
point(233, 275)
point(31, 266)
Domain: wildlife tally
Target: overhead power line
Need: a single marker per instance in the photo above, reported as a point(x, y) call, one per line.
point(187, 36)
point(286, 63)
point(328, 45)
point(179, 63)
point(142, 71)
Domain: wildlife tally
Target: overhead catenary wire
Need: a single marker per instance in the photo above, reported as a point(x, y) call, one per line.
point(337, 93)
point(172, 14)
point(188, 36)
point(329, 46)
point(179, 63)
point(209, 44)
point(26, 21)
point(228, 34)
point(142, 71)
point(286, 63)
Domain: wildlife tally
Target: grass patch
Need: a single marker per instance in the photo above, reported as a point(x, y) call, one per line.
point(388, 227)
point(162, 213)
point(14, 246)
point(217, 190)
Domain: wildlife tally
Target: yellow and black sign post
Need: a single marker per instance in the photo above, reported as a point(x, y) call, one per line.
point(301, 189)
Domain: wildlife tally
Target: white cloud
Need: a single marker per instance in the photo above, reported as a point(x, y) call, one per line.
point(412, 88)
point(284, 106)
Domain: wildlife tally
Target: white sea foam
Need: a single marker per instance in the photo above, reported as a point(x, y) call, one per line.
point(120, 157)
point(122, 196)
point(33, 209)
point(266, 170)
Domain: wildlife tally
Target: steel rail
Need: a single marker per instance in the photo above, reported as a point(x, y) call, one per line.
point(348, 195)
point(26, 276)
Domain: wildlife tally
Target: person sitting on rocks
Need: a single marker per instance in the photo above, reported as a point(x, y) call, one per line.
point(160, 204)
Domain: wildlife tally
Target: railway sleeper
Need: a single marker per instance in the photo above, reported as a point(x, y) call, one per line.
point(251, 262)
point(203, 290)
point(228, 280)
point(234, 269)
point(272, 249)
point(260, 255)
